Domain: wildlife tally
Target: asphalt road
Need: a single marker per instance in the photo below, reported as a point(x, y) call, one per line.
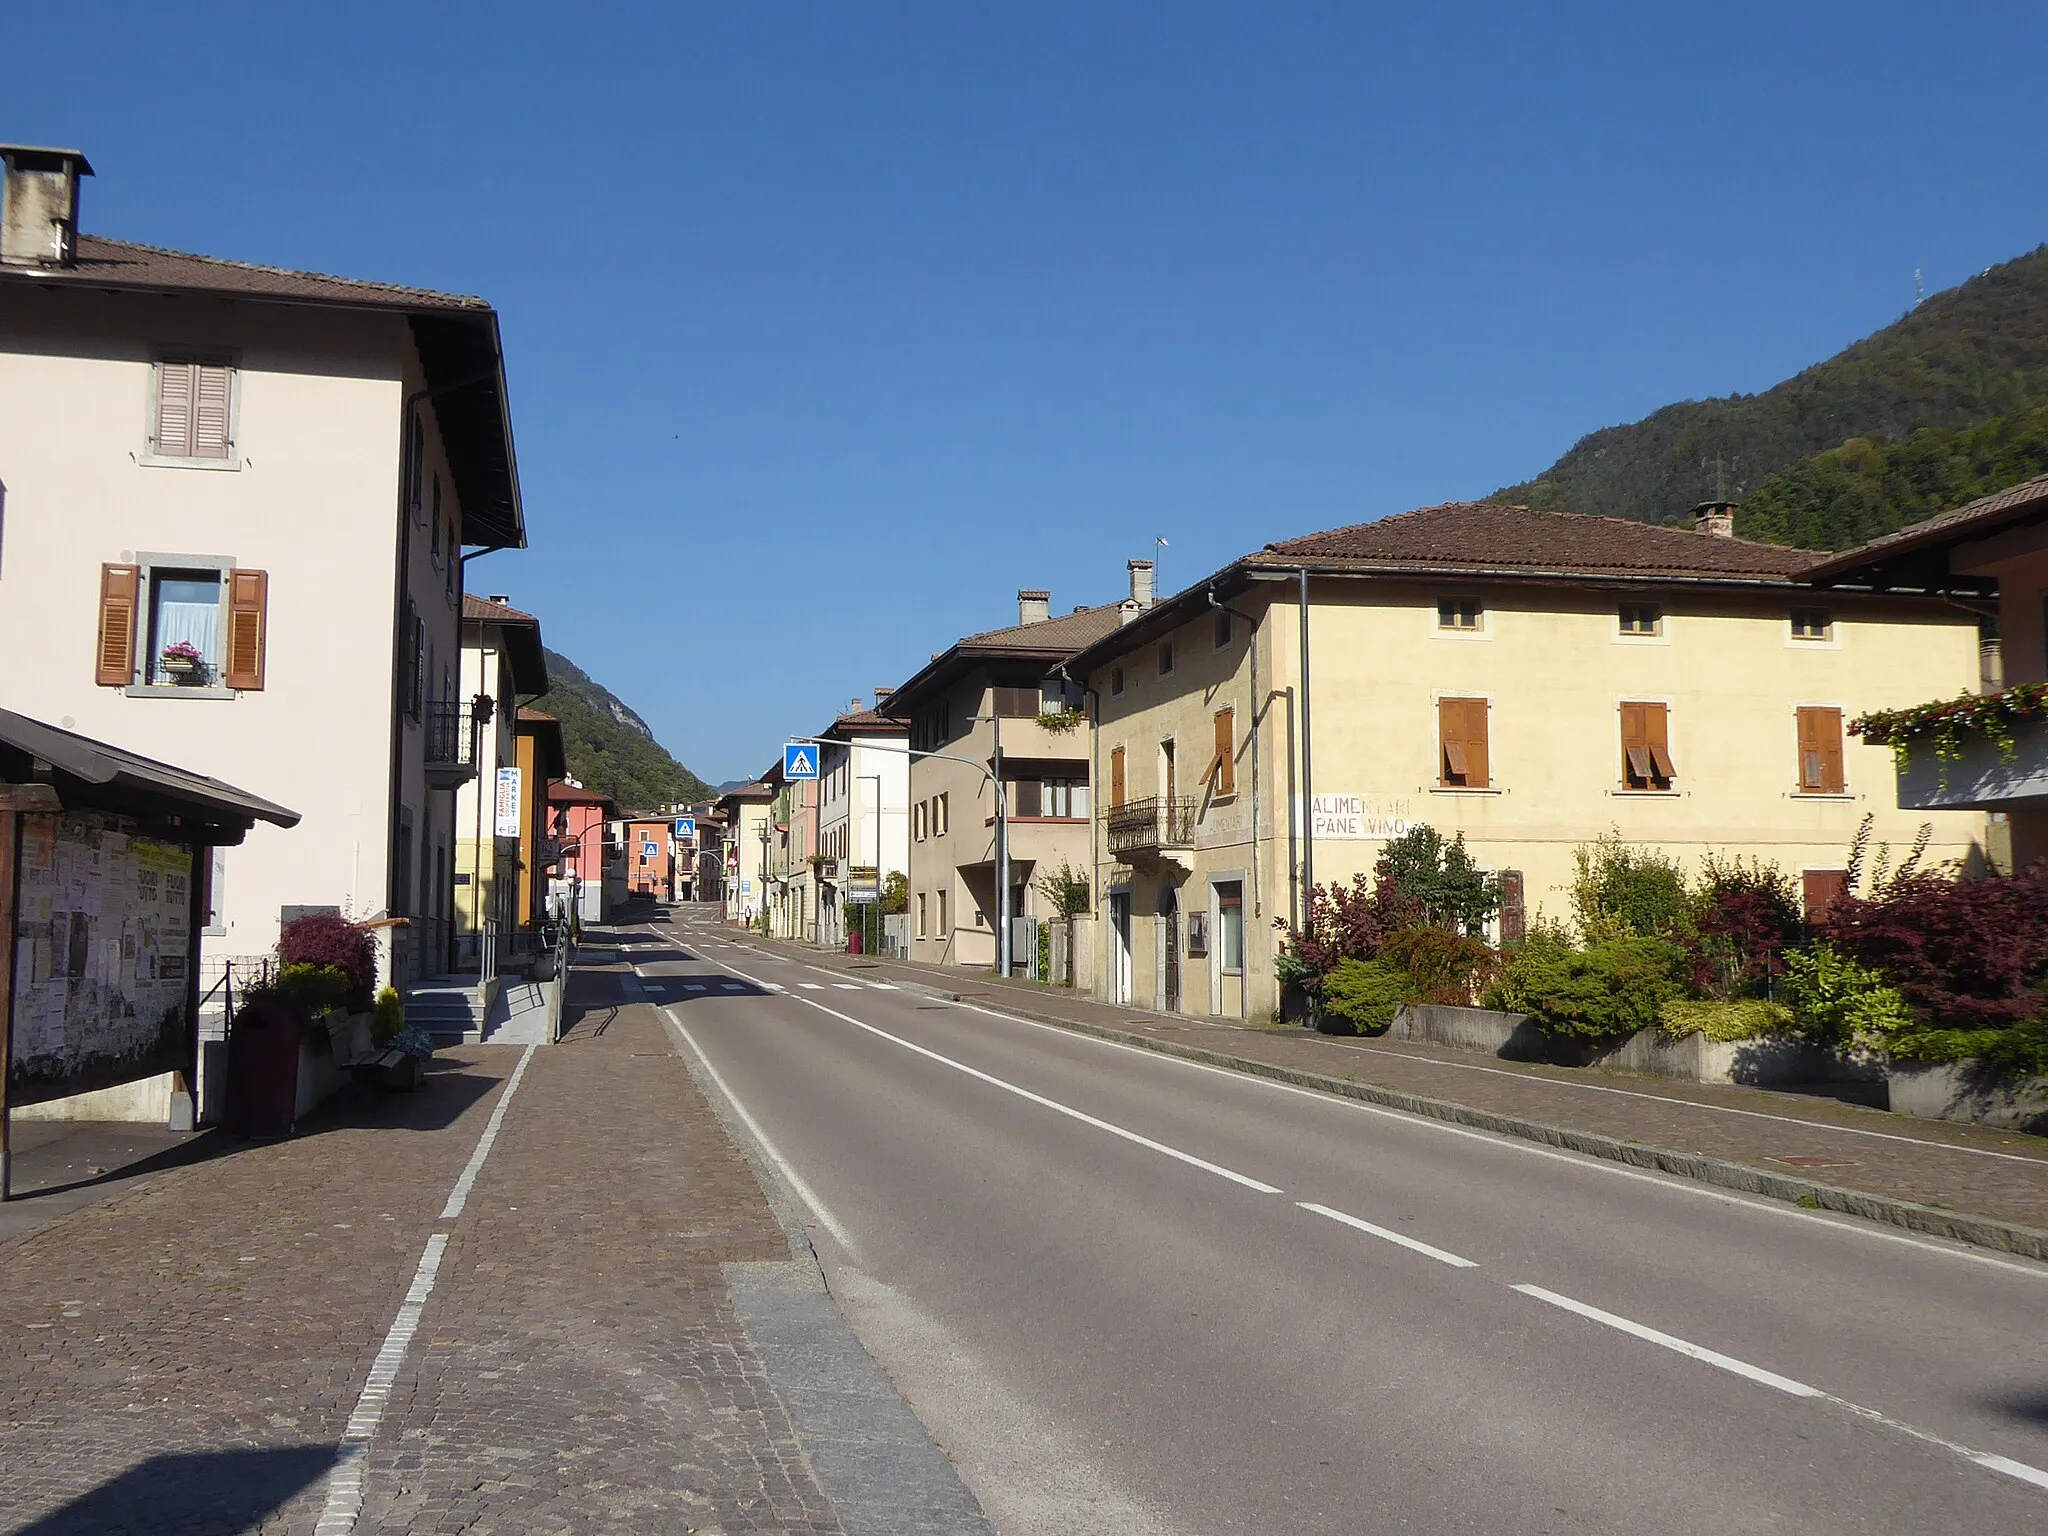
point(1131, 1294)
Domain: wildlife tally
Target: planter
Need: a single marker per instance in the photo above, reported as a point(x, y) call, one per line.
point(1960, 1090)
point(1510, 1036)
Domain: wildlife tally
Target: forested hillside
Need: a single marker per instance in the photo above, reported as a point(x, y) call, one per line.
point(610, 747)
point(1966, 358)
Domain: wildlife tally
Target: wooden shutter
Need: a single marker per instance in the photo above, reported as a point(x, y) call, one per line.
point(1514, 907)
point(1822, 888)
point(1461, 744)
point(1025, 799)
point(1820, 752)
point(175, 387)
point(1116, 778)
point(1646, 746)
point(119, 586)
point(1225, 767)
point(248, 627)
point(211, 384)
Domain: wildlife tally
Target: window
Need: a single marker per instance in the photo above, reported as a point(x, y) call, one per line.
point(1820, 751)
point(1064, 797)
point(217, 895)
point(1024, 798)
point(434, 550)
point(942, 816)
point(194, 411)
point(1463, 759)
point(1646, 747)
point(1230, 926)
point(1166, 658)
point(167, 624)
point(921, 930)
point(1116, 680)
point(1821, 889)
point(1812, 624)
point(1221, 774)
point(1116, 778)
point(1222, 632)
point(1462, 614)
point(1642, 619)
point(944, 926)
point(917, 822)
point(416, 662)
point(1015, 703)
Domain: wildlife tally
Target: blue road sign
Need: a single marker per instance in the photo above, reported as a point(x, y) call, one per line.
point(800, 761)
point(686, 826)
point(651, 850)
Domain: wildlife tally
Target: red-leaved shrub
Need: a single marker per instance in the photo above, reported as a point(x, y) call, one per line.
point(324, 940)
point(1965, 954)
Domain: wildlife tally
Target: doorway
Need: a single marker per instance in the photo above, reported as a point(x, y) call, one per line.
point(1169, 948)
point(1120, 946)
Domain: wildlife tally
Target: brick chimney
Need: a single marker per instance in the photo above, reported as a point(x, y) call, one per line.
point(1033, 607)
point(1141, 592)
point(39, 205)
point(882, 697)
point(1716, 519)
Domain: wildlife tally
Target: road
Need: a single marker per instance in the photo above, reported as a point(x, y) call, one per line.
point(1133, 1294)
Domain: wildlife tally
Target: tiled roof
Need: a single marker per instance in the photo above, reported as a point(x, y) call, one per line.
point(528, 712)
point(1472, 537)
point(124, 264)
point(866, 720)
point(1979, 515)
point(474, 607)
point(572, 794)
point(1068, 632)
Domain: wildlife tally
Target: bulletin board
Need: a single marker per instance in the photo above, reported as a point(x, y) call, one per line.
point(102, 955)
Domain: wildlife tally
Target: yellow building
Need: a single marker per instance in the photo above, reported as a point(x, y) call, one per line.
point(1530, 679)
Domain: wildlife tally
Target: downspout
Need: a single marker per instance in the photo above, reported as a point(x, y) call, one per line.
point(1094, 713)
point(1214, 602)
point(1308, 813)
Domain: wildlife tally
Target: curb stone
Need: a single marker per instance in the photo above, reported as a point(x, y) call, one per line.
point(1974, 1231)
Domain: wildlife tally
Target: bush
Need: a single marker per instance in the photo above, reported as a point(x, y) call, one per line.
point(1446, 967)
point(325, 940)
point(1742, 920)
point(1439, 880)
point(1361, 996)
point(1622, 891)
point(2020, 1052)
point(1749, 1019)
point(1836, 1001)
point(1964, 954)
point(1605, 992)
point(313, 989)
point(1345, 922)
point(387, 1018)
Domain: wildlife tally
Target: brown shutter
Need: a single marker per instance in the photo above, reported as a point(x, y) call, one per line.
point(1514, 908)
point(1116, 777)
point(1657, 721)
point(1822, 888)
point(1226, 751)
point(1025, 798)
point(1635, 748)
point(1478, 759)
point(1820, 751)
point(174, 389)
point(248, 627)
point(1462, 745)
point(211, 384)
point(119, 585)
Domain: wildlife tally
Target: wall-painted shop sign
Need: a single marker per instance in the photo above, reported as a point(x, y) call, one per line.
point(1357, 818)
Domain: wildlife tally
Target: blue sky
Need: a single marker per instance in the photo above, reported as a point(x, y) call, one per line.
point(833, 325)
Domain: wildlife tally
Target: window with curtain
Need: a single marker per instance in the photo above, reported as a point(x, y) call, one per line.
point(1230, 924)
point(184, 625)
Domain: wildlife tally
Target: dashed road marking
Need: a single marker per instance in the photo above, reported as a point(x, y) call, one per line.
point(1442, 1256)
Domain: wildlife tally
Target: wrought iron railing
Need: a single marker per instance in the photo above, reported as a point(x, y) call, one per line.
point(1155, 822)
point(450, 739)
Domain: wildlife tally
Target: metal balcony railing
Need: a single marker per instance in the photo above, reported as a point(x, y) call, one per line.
point(1150, 824)
point(450, 741)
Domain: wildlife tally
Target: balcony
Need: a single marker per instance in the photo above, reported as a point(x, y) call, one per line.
point(1980, 776)
point(1151, 825)
point(451, 745)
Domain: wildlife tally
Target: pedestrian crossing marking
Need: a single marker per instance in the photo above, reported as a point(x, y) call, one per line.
point(846, 986)
point(882, 986)
point(812, 986)
point(695, 986)
point(734, 986)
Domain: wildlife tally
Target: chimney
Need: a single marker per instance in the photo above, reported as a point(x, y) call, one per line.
point(502, 599)
point(1716, 519)
point(1141, 592)
point(882, 697)
point(39, 206)
point(1033, 607)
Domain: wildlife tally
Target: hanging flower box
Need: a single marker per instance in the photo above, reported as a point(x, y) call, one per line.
point(1972, 750)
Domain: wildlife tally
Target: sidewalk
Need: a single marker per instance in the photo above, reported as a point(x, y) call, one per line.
point(604, 1347)
point(1960, 1181)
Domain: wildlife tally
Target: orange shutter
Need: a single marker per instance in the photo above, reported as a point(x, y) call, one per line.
point(1822, 888)
point(174, 410)
point(248, 625)
point(210, 386)
point(1116, 777)
point(1461, 744)
point(1226, 750)
point(1478, 757)
point(1657, 722)
point(115, 666)
point(1820, 752)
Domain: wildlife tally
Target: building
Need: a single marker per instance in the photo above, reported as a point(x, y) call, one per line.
point(748, 814)
point(502, 662)
point(542, 759)
point(589, 864)
point(792, 857)
point(864, 816)
point(650, 846)
point(1531, 680)
point(999, 703)
point(160, 415)
point(1990, 556)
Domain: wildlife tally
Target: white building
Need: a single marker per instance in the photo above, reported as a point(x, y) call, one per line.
point(864, 812)
point(235, 504)
point(748, 813)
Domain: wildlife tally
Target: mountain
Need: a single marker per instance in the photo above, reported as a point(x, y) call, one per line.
point(1961, 360)
point(610, 747)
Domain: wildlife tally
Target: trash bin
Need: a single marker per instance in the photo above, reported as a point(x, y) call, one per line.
point(263, 1071)
point(853, 942)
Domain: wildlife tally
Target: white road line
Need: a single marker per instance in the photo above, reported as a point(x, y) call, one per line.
point(1833, 1220)
point(882, 986)
point(693, 986)
point(1053, 1104)
point(846, 986)
point(1439, 1254)
point(812, 986)
point(459, 1195)
point(1785, 1384)
point(769, 1150)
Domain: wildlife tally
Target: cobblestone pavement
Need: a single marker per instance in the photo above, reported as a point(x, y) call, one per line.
point(1928, 1162)
point(182, 1357)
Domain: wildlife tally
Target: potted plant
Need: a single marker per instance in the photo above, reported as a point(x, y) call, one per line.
point(183, 662)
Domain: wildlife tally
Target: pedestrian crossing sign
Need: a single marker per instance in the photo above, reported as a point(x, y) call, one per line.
point(800, 761)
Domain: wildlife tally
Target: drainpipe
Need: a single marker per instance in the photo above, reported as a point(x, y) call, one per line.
point(1214, 602)
point(1308, 815)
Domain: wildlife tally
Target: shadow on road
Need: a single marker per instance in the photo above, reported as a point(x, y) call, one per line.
point(195, 1494)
